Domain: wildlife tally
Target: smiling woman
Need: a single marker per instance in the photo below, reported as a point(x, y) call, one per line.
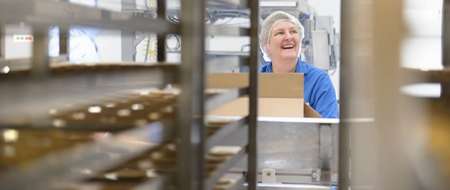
point(282, 46)
point(281, 37)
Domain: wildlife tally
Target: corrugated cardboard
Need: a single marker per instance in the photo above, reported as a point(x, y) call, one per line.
point(271, 85)
point(310, 112)
point(268, 107)
point(280, 95)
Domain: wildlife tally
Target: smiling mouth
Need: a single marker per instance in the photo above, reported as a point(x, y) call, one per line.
point(289, 46)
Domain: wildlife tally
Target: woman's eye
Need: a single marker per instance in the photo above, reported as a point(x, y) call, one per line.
point(278, 33)
point(294, 32)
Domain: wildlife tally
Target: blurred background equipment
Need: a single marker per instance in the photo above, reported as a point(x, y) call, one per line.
point(394, 101)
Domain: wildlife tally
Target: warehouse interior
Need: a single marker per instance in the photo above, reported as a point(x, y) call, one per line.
point(168, 94)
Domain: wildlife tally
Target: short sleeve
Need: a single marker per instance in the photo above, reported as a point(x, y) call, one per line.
point(324, 97)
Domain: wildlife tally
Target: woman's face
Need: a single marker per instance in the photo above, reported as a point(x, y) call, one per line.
point(283, 41)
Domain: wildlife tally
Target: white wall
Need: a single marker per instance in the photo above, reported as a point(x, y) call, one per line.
point(328, 8)
point(17, 49)
point(108, 43)
point(227, 44)
point(110, 46)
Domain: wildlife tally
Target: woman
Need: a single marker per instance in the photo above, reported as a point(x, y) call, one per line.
point(280, 38)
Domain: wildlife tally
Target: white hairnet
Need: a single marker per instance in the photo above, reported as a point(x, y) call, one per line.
point(268, 23)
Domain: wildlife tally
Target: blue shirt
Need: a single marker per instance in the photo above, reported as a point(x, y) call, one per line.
point(318, 89)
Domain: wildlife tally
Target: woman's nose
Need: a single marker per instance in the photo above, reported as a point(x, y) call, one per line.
point(288, 35)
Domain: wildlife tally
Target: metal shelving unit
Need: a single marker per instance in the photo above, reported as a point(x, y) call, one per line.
point(192, 74)
point(64, 15)
point(46, 98)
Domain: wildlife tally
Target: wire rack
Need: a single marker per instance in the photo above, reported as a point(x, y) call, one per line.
point(123, 125)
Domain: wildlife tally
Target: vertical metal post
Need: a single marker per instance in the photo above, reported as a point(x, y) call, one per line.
point(41, 64)
point(356, 118)
point(446, 33)
point(190, 121)
point(161, 38)
point(388, 35)
point(446, 44)
point(343, 160)
point(128, 48)
point(325, 151)
point(64, 41)
point(343, 132)
point(2, 42)
point(252, 165)
point(127, 42)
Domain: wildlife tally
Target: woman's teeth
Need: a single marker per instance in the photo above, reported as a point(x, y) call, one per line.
point(287, 46)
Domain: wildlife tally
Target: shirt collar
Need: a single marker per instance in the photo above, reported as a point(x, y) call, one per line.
point(298, 67)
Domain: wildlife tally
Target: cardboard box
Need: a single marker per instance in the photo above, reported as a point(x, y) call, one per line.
point(280, 95)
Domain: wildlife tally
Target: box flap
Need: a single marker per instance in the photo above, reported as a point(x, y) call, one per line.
point(310, 112)
point(270, 85)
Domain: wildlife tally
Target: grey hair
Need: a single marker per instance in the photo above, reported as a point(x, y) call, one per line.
point(273, 18)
